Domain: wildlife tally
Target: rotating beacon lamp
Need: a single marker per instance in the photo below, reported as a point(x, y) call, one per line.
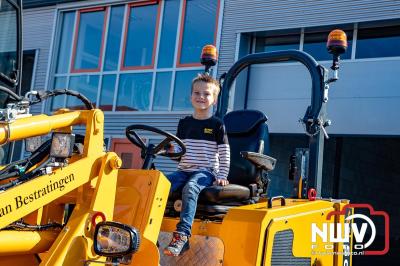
point(209, 57)
point(336, 45)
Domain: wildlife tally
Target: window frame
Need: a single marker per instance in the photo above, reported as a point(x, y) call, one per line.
point(182, 28)
point(106, 10)
point(155, 39)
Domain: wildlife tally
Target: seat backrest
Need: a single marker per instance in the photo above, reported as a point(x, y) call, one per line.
point(247, 131)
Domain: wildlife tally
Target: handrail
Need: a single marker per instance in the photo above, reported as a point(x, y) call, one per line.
point(317, 76)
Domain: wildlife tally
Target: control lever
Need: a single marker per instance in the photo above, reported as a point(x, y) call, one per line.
point(324, 131)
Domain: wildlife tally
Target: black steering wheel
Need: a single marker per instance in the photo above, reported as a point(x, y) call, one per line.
point(154, 149)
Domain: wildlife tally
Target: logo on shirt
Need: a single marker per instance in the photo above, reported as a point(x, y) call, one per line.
point(208, 131)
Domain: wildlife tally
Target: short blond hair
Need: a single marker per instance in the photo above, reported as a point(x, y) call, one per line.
point(207, 79)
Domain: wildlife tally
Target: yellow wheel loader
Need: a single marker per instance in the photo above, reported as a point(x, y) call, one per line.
point(69, 203)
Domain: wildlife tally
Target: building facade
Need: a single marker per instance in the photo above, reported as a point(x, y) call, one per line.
point(359, 160)
point(135, 61)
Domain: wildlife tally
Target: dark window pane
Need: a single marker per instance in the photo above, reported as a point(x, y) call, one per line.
point(276, 43)
point(7, 64)
point(27, 69)
point(378, 42)
point(17, 151)
point(168, 34)
point(5, 153)
point(114, 38)
point(140, 36)
point(182, 91)
point(199, 28)
point(86, 85)
point(134, 92)
point(64, 50)
point(162, 90)
point(107, 92)
point(58, 101)
point(315, 45)
point(88, 45)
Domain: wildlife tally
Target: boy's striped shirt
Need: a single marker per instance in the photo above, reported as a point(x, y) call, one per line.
point(207, 146)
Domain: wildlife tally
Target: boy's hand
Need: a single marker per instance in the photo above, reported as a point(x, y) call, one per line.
point(168, 148)
point(221, 182)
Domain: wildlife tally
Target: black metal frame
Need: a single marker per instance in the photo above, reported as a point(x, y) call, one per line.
point(17, 4)
point(315, 116)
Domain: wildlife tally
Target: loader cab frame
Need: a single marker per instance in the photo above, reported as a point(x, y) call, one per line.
point(315, 117)
point(314, 120)
point(10, 59)
point(11, 47)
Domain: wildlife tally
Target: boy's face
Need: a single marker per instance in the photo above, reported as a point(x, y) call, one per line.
point(203, 95)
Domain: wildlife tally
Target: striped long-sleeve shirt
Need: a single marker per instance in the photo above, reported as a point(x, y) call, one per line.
point(207, 146)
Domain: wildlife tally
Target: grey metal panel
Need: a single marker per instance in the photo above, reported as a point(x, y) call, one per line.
point(40, 3)
point(115, 123)
point(261, 15)
point(365, 100)
point(282, 251)
point(37, 34)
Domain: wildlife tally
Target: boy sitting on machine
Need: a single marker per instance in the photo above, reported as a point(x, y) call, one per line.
point(206, 160)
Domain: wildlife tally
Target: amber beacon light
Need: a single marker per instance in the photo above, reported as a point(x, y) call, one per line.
point(209, 57)
point(337, 42)
point(336, 45)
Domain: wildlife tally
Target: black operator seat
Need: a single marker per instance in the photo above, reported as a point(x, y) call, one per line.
point(249, 145)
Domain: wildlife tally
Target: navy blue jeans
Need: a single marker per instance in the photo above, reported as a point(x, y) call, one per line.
point(192, 183)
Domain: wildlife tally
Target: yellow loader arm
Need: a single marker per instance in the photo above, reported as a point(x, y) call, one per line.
point(90, 183)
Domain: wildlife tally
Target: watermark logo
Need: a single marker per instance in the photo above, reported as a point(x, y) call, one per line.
point(340, 232)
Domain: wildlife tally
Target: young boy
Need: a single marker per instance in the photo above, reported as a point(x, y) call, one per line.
point(205, 162)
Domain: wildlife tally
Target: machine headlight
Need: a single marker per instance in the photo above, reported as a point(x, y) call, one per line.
point(112, 239)
point(33, 143)
point(62, 145)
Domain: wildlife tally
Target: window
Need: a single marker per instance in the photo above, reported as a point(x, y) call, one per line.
point(114, 38)
point(107, 95)
point(168, 34)
point(134, 92)
point(371, 41)
point(140, 36)
point(315, 45)
point(378, 42)
point(89, 39)
point(59, 101)
point(64, 49)
point(161, 94)
point(86, 85)
point(276, 43)
point(198, 29)
point(139, 56)
point(182, 90)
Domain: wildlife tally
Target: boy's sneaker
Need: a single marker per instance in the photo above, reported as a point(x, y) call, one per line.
point(178, 245)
